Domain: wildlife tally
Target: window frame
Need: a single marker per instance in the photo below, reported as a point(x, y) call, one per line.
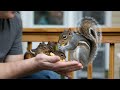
point(108, 18)
point(29, 15)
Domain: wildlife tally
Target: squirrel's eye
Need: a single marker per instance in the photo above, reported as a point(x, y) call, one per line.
point(61, 55)
point(69, 33)
point(64, 37)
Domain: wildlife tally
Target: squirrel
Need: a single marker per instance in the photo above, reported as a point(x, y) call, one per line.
point(89, 28)
point(84, 41)
point(53, 48)
point(70, 40)
point(28, 55)
point(46, 49)
point(42, 48)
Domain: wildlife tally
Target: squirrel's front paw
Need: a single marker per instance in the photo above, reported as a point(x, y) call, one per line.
point(61, 48)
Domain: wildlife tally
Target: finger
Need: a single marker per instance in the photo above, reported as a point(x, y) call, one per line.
point(69, 69)
point(74, 68)
point(47, 65)
point(67, 65)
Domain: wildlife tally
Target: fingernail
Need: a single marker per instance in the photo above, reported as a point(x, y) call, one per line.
point(58, 57)
point(81, 65)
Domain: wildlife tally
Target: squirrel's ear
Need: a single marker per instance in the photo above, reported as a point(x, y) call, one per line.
point(43, 42)
point(69, 29)
point(48, 42)
point(40, 43)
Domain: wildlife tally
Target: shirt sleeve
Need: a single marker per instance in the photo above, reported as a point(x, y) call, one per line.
point(16, 48)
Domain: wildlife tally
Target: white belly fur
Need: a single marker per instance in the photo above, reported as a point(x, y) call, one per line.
point(76, 53)
point(77, 50)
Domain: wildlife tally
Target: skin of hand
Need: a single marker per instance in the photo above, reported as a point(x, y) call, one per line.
point(40, 62)
point(53, 63)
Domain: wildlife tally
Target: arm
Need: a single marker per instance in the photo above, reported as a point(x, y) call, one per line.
point(16, 69)
point(12, 58)
point(40, 62)
point(16, 53)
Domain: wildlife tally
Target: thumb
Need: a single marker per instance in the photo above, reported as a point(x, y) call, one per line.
point(46, 58)
point(53, 59)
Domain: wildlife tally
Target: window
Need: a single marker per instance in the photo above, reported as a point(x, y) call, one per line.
point(44, 19)
point(48, 18)
point(98, 15)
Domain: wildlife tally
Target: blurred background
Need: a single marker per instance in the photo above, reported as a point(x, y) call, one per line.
point(57, 19)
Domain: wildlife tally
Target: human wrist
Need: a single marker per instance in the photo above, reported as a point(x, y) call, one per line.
point(36, 63)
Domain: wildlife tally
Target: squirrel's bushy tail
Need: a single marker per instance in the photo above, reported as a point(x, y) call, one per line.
point(90, 28)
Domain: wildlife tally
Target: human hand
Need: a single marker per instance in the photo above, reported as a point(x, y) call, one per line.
point(53, 63)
